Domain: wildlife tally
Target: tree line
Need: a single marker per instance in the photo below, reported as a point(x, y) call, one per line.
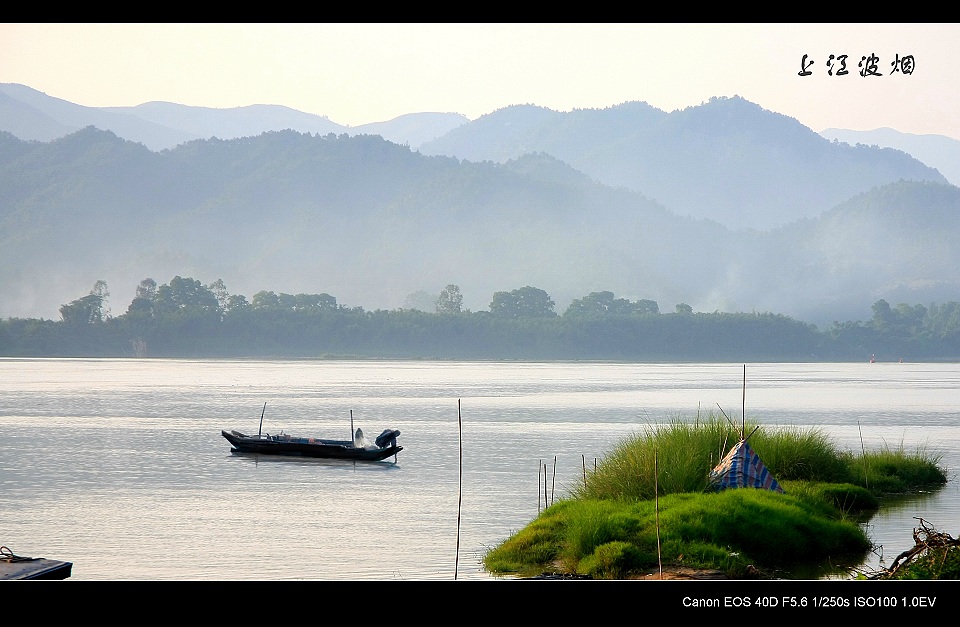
point(185, 318)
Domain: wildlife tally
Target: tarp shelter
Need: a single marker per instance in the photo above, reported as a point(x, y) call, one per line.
point(742, 468)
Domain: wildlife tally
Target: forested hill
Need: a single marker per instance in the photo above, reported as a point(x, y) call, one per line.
point(359, 217)
point(375, 223)
point(728, 159)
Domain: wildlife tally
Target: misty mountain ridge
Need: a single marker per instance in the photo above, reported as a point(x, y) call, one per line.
point(693, 161)
point(32, 115)
point(696, 160)
point(939, 151)
point(372, 222)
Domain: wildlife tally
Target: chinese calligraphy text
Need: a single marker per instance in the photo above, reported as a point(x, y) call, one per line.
point(869, 65)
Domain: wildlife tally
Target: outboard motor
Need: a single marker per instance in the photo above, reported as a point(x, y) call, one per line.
point(388, 438)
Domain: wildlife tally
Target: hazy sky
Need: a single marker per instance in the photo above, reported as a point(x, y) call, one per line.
point(368, 72)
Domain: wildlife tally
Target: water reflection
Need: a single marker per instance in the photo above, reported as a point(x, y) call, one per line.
point(345, 464)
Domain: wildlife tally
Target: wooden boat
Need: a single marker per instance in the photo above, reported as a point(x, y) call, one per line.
point(384, 446)
point(18, 567)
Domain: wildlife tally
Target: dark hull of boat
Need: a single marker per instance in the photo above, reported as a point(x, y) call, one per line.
point(35, 568)
point(301, 447)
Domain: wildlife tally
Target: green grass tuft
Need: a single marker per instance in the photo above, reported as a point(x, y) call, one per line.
point(650, 502)
point(893, 471)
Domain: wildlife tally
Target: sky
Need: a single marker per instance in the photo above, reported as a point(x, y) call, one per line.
point(357, 73)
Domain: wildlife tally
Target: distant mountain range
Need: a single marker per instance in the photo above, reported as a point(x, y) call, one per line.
point(725, 206)
point(690, 160)
point(938, 151)
point(694, 161)
point(32, 115)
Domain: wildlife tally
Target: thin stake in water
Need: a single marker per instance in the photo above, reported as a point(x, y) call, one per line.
point(456, 565)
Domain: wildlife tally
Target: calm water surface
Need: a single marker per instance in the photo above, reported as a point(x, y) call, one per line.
point(118, 466)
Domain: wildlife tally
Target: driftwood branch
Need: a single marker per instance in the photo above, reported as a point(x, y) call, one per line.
point(926, 539)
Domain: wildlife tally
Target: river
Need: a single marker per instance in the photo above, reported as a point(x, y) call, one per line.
point(118, 465)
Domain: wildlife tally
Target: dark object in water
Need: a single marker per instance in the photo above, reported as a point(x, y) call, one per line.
point(388, 438)
point(20, 567)
point(386, 445)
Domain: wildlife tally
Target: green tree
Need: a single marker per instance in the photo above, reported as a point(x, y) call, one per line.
point(100, 291)
point(645, 306)
point(147, 289)
point(910, 319)
point(142, 304)
point(450, 300)
point(85, 310)
point(219, 290)
point(237, 302)
point(315, 302)
point(943, 321)
point(526, 302)
point(596, 303)
point(883, 317)
point(265, 300)
point(89, 309)
point(683, 308)
point(185, 296)
point(603, 303)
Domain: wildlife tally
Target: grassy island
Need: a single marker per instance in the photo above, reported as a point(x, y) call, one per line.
point(651, 504)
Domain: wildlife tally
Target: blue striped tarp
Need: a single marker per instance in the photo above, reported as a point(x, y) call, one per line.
point(742, 468)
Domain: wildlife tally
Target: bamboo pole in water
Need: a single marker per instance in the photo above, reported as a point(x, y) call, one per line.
point(656, 507)
point(539, 474)
point(456, 565)
point(546, 504)
point(863, 453)
point(553, 485)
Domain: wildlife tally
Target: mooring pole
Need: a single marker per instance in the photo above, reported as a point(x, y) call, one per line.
point(743, 401)
point(456, 562)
